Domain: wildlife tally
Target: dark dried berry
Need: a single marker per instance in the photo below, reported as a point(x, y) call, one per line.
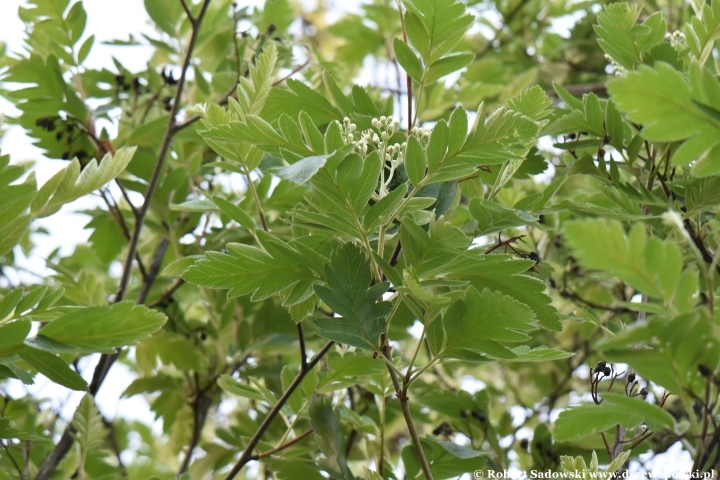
point(631, 378)
point(601, 365)
point(65, 155)
point(643, 392)
point(120, 80)
point(203, 336)
point(534, 256)
point(81, 154)
point(704, 370)
point(524, 443)
point(443, 429)
point(606, 139)
point(59, 135)
point(601, 153)
point(479, 415)
point(571, 136)
point(607, 371)
point(271, 28)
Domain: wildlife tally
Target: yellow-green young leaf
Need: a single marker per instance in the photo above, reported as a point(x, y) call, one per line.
point(447, 459)
point(89, 425)
point(177, 267)
point(70, 184)
point(407, 59)
point(53, 367)
point(250, 270)
point(660, 99)
point(10, 301)
point(493, 217)
point(703, 30)
point(649, 265)
point(385, 207)
point(448, 65)
point(252, 92)
point(621, 39)
point(234, 212)
point(415, 162)
point(12, 336)
point(483, 324)
point(102, 329)
point(445, 23)
point(232, 385)
point(302, 170)
point(586, 419)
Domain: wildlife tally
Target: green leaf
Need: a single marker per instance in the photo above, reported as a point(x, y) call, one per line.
point(234, 212)
point(12, 336)
point(302, 170)
point(444, 22)
point(329, 437)
point(660, 99)
point(10, 301)
point(385, 207)
point(178, 266)
point(248, 270)
point(483, 323)
point(629, 412)
point(703, 30)
point(622, 39)
point(165, 14)
point(232, 385)
point(493, 217)
point(348, 293)
point(446, 459)
point(415, 161)
point(8, 431)
point(53, 367)
point(102, 329)
point(448, 65)
point(70, 184)
point(87, 421)
point(649, 265)
point(407, 59)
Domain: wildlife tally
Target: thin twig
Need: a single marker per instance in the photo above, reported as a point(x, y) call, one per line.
point(201, 406)
point(246, 455)
point(401, 392)
point(301, 339)
point(168, 293)
point(22, 475)
point(285, 445)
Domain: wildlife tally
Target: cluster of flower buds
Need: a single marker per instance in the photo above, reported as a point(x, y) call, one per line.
point(676, 39)
point(619, 70)
point(347, 129)
point(386, 125)
point(420, 133)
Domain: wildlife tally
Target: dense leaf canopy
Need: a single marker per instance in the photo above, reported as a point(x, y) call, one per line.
point(421, 240)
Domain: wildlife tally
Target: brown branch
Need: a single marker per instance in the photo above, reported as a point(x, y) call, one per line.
point(698, 241)
point(301, 339)
point(49, 465)
point(401, 392)
point(201, 405)
point(247, 455)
